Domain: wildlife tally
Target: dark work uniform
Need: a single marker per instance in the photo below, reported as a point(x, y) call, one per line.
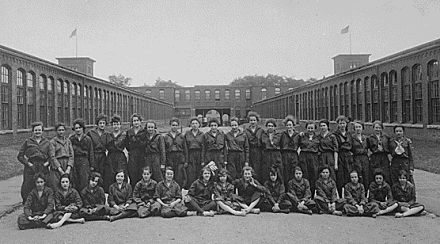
point(345, 159)
point(255, 149)
point(308, 157)
point(61, 154)
point(176, 155)
point(143, 194)
point(121, 196)
point(406, 196)
point(37, 154)
point(155, 154)
point(248, 193)
point(196, 153)
point(115, 159)
point(271, 155)
point(379, 147)
point(289, 153)
point(328, 145)
point(201, 196)
point(94, 198)
point(72, 198)
point(361, 162)
point(238, 153)
point(381, 193)
point(299, 191)
point(355, 194)
point(135, 144)
point(326, 193)
point(37, 206)
point(402, 159)
point(215, 148)
point(83, 160)
point(100, 144)
point(168, 194)
point(276, 194)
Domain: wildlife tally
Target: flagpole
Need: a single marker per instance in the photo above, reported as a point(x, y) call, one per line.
point(349, 32)
point(76, 46)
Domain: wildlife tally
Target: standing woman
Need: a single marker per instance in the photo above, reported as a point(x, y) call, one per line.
point(238, 149)
point(155, 151)
point(308, 156)
point(254, 133)
point(215, 147)
point(116, 158)
point(34, 154)
point(270, 140)
point(195, 143)
point(328, 147)
point(135, 142)
point(345, 160)
point(61, 154)
point(378, 143)
point(176, 151)
point(100, 139)
point(83, 155)
point(402, 158)
point(361, 162)
point(289, 149)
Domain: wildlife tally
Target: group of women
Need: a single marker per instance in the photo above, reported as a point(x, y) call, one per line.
point(301, 171)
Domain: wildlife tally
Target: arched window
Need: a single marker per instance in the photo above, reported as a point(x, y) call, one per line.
point(86, 104)
point(197, 95)
point(176, 95)
point(335, 101)
point(60, 100)
point(74, 100)
point(188, 95)
point(30, 98)
point(385, 97)
point(359, 99)
point(417, 84)
point(207, 95)
point(66, 92)
point(406, 95)
point(50, 102)
point(21, 99)
point(80, 101)
point(393, 93)
point(217, 95)
point(367, 89)
point(248, 94)
point(5, 93)
point(42, 84)
point(376, 109)
point(277, 91)
point(433, 70)
point(226, 94)
point(237, 112)
point(263, 93)
point(434, 102)
point(237, 94)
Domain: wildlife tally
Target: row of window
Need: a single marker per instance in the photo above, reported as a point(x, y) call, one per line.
point(66, 99)
point(371, 98)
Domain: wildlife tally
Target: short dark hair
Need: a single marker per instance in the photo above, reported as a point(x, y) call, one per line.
point(194, 119)
point(174, 119)
point(397, 126)
point(325, 121)
point(79, 122)
point(235, 119)
point(272, 121)
point(115, 119)
point(35, 124)
point(289, 118)
point(93, 175)
point(214, 120)
point(360, 122)
point(253, 114)
point(101, 117)
point(41, 176)
point(310, 123)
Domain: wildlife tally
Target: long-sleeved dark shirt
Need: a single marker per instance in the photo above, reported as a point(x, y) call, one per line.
point(32, 150)
point(378, 144)
point(117, 196)
point(344, 141)
point(215, 143)
point(299, 190)
point(254, 137)
point(380, 193)
point(224, 192)
point(239, 143)
point(135, 141)
point(407, 150)
point(201, 192)
point(359, 146)
point(116, 143)
point(246, 190)
point(277, 191)
point(355, 194)
point(72, 198)
point(326, 190)
point(166, 193)
point(175, 144)
point(144, 191)
point(36, 205)
point(83, 147)
point(406, 194)
point(60, 149)
point(289, 143)
point(93, 197)
point(269, 143)
point(308, 145)
point(100, 142)
point(328, 143)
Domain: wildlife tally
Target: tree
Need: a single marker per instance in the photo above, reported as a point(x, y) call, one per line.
point(166, 83)
point(120, 80)
point(269, 80)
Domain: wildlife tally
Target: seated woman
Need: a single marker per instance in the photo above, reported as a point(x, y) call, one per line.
point(38, 208)
point(120, 198)
point(250, 191)
point(276, 200)
point(405, 194)
point(67, 204)
point(169, 197)
point(224, 195)
point(93, 197)
point(380, 194)
point(326, 196)
point(200, 193)
point(357, 204)
point(143, 194)
point(299, 193)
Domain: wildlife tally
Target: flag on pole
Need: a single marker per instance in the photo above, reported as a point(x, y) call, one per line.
point(73, 33)
point(343, 31)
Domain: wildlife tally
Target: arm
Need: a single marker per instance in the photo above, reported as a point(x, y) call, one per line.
point(292, 194)
point(162, 151)
point(28, 204)
point(269, 195)
point(349, 197)
point(50, 203)
point(363, 198)
point(111, 199)
point(55, 164)
point(410, 156)
point(246, 149)
point(71, 161)
point(130, 195)
point(21, 154)
point(308, 193)
point(137, 194)
point(78, 200)
point(84, 197)
point(91, 153)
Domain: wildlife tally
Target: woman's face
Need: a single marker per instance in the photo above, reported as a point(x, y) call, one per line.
point(289, 125)
point(270, 127)
point(354, 178)
point(342, 125)
point(402, 179)
point(214, 126)
point(146, 175)
point(247, 175)
point(39, 183)
point(120, 177)
point(93, 183)
point(377, 128)
point(174, 126)
point(378, 179)
point(65, 183)
point(234, 126)
point(60, 131)
point(169, 174)
point(311, 128)
point(398, 131)
point(325, 174)
point(358, 128)
point(223, 178)
point(298, 174)
point(195, 124)
point(78, 129)
point(136, 122)
point(273, 177)
point(151, 128)
point(116, 126)
point(38, 131)
point(101, 124)
point(324, 127)
point(253, 120)
point(206, 175)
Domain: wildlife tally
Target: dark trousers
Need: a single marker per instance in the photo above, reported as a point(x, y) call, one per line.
point(255, 161)
point(81, 172)
point(345, 166)
point(309, 164)
point(136, 161)
point(290, 161)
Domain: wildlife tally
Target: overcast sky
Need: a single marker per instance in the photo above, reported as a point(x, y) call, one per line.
point(214, 42)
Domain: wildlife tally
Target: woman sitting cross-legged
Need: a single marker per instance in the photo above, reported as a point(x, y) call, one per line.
point(299, 193)
point(224, 195)
point(200, 194)
point(143, 194)
point(120, 198)
point(93, 197)
point(250, 191)
point(38, 208)
point(326, 195)
point(405, 194)
point(67, 204)
point(276, 200)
